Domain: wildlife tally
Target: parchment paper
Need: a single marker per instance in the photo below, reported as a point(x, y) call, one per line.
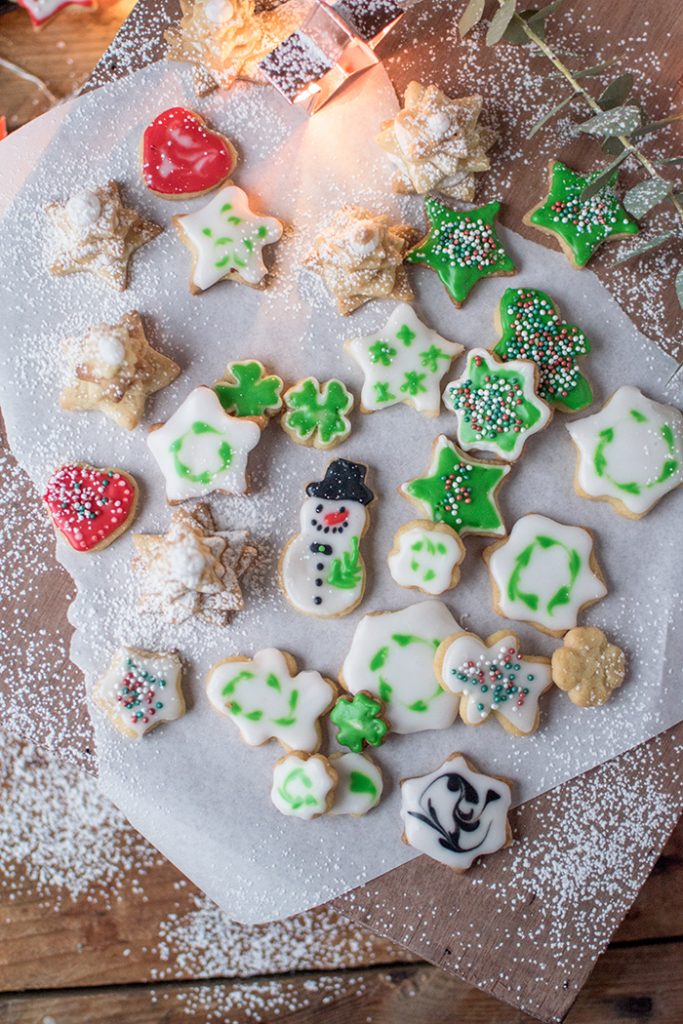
point(192, 787)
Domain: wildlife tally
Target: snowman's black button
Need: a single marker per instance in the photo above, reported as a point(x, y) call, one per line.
point(318, 583)
point(320, 566)
point(317, 600)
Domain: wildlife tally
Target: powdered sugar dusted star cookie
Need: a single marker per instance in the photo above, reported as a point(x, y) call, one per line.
point(140, 690)
point(303, 785)
point(426, 556)
point(359, 784)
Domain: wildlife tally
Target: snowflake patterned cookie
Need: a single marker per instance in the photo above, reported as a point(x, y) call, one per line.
point(462, 247)
point(359, 784)
point(42, 11)
point(491, 676)
point(359, 256)
point(304, 785)
point(588, 667)
point(532, 328)
point(182, 157)
point(113, 369)
point(226, 240)
point(317, 414)
point(193, 569)
point(392, 656)
point(426, 556)
point(630, 453)
point(404, 362)
point(96, 234)
point(456, 813)
point(140, 690)
point(90, 507)
point(267, 698)
point(580, 225)
point(359, 720)
point(544, 573)
point(247, 390)
point(435, 143)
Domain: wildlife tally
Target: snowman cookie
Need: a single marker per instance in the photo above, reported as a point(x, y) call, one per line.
point(304, 785)
point(426, 556)
point(321, 570)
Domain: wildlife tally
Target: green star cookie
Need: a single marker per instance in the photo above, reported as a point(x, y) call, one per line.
point(459, 491)
point(247, 391)
point(462, 247)
point(359, 721)
point(581, 225)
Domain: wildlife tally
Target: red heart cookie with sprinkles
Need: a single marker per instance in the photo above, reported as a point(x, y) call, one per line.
point(182, 157)
point(90, 507)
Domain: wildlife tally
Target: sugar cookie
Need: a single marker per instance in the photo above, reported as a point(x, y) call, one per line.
point(140, 690)
point(247, 390)
point(588, 667)
point(359, 784)
point(359, 721)
point(426, 556)
point(304, 785)
point(182, 157)
point(316, 414)
point(90, 507)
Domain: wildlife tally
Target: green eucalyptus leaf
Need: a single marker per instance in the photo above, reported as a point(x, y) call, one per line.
point(590, 72)
point(654, 126)
point(605, 177)
point(612, 146)
point(500, 21)
point(645, 195)
point(515, 33)
point(651, 243)
point(471, 16)
point(616, 92)
point(621, 121)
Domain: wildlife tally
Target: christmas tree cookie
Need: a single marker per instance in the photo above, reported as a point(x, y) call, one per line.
point(247, 390)
point(317, 414)
point(580, 225)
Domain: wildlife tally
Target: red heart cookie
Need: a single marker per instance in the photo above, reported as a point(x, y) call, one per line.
point(181, 157)
point(90, 507)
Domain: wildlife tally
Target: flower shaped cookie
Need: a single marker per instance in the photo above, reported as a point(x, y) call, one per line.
point(588, 667)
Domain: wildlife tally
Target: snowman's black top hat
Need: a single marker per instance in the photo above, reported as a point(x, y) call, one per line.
point(343, 480)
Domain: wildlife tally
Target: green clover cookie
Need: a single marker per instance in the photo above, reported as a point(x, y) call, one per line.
point(246, 390)
point(359, 721)
point(316, 414)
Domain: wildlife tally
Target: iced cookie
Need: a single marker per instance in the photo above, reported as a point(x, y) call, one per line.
point(426, 556)
point(630, 453)
point(456, 813)
point(462, 247)
point(580, 225)
point(226, 239)
point(496, 404)
point(247, 390)
point(140, 690)
point(588, 667)
point(359, 721)
point(491, 676)
point(317, 414)
point(321, 570)
point(359, 784)
point(90, 507)
point(42, 11)
point(459, 491)
point(201, 449)
point(404, 362)
point(392, 656)
point(304, 785)
point(182, 157)
point(267, 698)
point(544, 573)
point(532, 328)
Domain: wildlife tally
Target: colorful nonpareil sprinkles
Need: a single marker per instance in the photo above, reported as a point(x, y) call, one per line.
point(500, 679)
point(491, 407)
point(139, 694)
point(88, 505)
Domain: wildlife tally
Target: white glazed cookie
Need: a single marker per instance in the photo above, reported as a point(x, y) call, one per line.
point(201, 448)
point(426, 556)
point(359, 784)
point(140, 690)
point(392, 656)
point(267, 699)
point(544, 573)
point(403, 362)
point(491, 676)
point(303, 785)
point(630, 453)
point(455, 813)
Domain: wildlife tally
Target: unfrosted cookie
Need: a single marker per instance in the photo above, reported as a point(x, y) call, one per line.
point(246, 389)
point(588, 667)
point(317, 415)
point(182, 157)
point(90, 507)
point(426, 556)
point(359, 720)
point(359, 784)
point(140, 690)
point(304, 785)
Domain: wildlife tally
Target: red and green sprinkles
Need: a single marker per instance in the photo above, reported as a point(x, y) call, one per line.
point(138, 694)
point(87, 505)
point(498, 677)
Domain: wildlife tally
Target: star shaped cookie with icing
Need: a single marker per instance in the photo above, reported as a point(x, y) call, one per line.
point(403, 362)
point(580, 225)
point(113, 369)
point(462, 247)
point(435, 143)
point(459, 491)
point(96, 234)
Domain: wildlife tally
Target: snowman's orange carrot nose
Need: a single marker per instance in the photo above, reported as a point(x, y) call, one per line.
point(335, 518)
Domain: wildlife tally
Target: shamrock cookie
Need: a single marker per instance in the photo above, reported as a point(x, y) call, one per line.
point(304, 785)
point(462, 247)
point(580, 225)
point(194, 569)
point(544, 573)
point(42, 11)
point(90, 507)
point(246, 390)
point(630, 453)
point(267, 699)
point(226, 238)
point(322, 572)
point(404, 362)
point(359, 784)
point(492, 676)
point(588, 667)
point(426, 556)
point(182, 157)
point(496, 404)
point(140, 690)
point(113, 369)
point(317, 414)
point(96, 234)
point(435, 143)
point(532, 328)
point(359, 720)
point(201, 449)
point(392, 656)
point(456, 813)
point(359, 256)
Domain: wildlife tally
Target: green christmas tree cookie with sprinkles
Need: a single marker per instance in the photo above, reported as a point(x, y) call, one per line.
point(247, 390)
point(462, 247)
point(532, 328)
point(580, 225)
point(459, 491)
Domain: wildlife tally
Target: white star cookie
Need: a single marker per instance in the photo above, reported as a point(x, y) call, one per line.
point(140, 690)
